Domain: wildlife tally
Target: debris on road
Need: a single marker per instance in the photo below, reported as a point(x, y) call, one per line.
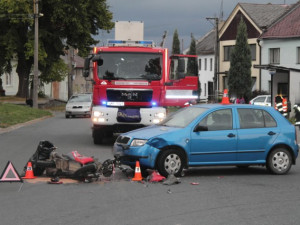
point(171, 180)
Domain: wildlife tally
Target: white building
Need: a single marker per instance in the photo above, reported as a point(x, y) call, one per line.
point(280, 56)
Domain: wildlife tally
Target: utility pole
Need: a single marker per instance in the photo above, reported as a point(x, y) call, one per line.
point(71, 71)
point(216, 64)
point(163, 39)
point(36, 54)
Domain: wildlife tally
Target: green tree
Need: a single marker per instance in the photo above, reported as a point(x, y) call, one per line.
point(239, 76)
point(192, 65)
point(64, 24)
point(176, 43)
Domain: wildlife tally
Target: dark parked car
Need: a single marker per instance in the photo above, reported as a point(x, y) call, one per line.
point(210, 135)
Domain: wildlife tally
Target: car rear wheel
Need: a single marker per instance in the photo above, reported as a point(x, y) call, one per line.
point(279, 161)
point(170, 162)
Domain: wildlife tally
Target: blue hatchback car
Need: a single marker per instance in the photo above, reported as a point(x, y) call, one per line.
point(210, 135)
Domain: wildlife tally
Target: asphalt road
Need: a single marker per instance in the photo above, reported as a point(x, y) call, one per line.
point(224, 195)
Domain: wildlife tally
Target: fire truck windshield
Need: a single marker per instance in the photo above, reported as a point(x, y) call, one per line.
point(130, 66)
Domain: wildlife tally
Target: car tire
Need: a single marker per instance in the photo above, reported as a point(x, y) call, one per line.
point(170, 161)
point(67, 116)
point(98, 136)
point(279, 161)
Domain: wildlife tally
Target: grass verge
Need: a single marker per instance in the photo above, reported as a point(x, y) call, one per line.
point(11, 114)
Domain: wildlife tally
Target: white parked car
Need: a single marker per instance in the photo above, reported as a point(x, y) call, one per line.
point(263, 100)
point(79, 105)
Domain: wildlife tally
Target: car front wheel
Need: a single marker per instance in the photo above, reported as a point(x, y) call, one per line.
point(279, 161)
point(170, 162)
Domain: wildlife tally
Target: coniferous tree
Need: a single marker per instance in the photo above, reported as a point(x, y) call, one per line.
point(239, 76)
point(192, 66)
point(176, 43)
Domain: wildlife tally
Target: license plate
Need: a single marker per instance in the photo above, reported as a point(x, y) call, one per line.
point(115, 103)
point(129, 115)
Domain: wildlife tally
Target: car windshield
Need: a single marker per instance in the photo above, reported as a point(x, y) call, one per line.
point(130, 66)
point(80, 98)
point(183, 117)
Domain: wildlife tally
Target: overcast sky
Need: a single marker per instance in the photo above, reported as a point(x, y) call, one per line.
point(187, 16)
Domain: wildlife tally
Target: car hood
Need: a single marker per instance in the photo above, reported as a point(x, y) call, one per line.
point(151, 132)
point(70, 104)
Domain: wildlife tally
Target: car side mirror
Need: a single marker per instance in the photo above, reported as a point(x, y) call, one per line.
point(86, 68)
point(98, 59)
point(199, 128)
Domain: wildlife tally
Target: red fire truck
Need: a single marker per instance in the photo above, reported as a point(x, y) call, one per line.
point(134, 82)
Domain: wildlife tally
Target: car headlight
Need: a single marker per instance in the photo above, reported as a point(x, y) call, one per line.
point(138, 142)
point(160, 115)
point(98, 114)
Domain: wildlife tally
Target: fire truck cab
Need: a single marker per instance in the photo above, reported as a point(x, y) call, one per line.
point(134, 82)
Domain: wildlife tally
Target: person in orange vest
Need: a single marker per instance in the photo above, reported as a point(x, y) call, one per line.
point(278, 103)
point(281, 105)
point(284, 107)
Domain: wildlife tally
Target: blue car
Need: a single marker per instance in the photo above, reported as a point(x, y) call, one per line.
point(211, 135)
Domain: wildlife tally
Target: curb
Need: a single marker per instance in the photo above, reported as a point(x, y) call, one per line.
point(17, 126)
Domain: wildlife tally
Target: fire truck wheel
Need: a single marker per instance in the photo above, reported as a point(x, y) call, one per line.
point(170, 161)
point(279, 161)
point(97, 136)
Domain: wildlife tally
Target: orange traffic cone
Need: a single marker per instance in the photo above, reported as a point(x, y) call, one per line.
point(225, 99)
point(137, 172)
point(29, 172)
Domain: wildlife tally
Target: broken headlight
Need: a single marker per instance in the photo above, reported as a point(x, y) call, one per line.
point(138, 142)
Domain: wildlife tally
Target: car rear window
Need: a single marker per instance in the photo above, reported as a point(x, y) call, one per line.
point(255, 118)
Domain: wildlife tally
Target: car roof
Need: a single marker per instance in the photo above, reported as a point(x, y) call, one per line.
point(81, 94)
point(263, 96)
point(212, 106)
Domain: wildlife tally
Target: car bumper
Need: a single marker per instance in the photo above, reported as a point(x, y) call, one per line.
point(146, 155)
point(109, 116)
point(74, 113)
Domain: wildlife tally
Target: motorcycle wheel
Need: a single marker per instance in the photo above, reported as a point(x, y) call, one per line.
point(85, 170)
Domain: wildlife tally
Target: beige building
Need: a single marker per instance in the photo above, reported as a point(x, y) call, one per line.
point(257, 18)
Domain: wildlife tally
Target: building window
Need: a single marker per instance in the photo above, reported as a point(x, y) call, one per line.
point(211, 64)
point(8, 79)
point(199, 64)
point(227, 52)
point(205, 64)
point(298, 55)
point(274, 55)
point(205, 89)
point(253, 51)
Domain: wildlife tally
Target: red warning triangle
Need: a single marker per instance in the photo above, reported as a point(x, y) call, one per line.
point(10, 174)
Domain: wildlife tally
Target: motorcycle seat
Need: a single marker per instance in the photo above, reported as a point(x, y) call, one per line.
point(74, 155)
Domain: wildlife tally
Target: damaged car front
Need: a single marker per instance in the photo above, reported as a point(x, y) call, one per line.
point(147, 144)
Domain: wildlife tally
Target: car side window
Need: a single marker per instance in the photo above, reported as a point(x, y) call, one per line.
point(255, 118)
point(217, 120)
point(260, 99)
point(269, 120)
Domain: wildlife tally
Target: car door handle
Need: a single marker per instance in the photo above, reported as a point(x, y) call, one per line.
point(271, 133)
point(231, 135)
